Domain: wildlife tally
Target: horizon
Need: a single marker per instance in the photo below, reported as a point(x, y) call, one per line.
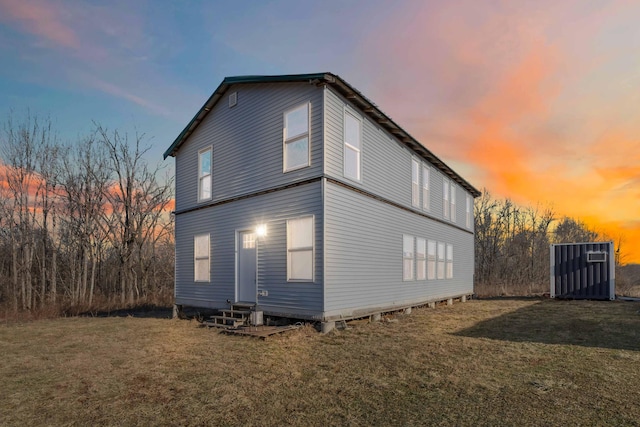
point(534, 102)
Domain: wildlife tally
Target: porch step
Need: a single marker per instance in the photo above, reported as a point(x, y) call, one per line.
point(226, 321)
point(237, 314)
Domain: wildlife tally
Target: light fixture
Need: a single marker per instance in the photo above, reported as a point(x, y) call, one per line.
point(261, 230)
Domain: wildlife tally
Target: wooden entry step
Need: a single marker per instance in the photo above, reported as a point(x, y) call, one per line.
point(224, 322)
point(237, 315)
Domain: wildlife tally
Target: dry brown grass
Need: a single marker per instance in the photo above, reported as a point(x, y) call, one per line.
point(491, 362)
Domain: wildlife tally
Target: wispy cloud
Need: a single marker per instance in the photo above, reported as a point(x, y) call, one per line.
point(120, 92)
point(104, 44)
point(39, 18)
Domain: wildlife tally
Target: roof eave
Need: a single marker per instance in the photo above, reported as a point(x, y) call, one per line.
point(370, 109)
point(222, 88)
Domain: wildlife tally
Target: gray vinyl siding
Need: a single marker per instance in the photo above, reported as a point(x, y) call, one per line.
point(222, 222)
point(247, 142)
point(386, 162)
point(363, 255)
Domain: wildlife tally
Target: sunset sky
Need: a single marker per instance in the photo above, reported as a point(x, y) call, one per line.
point(534, 100)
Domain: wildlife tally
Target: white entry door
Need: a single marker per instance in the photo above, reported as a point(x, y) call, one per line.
point(246, 266)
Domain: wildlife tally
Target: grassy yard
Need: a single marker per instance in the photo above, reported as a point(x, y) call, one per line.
point(488, 362)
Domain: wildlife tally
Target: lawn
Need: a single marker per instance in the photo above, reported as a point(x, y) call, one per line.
point(486, 362)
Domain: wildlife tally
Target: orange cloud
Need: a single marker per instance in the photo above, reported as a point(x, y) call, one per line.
point(519, 98)
point(39, 18)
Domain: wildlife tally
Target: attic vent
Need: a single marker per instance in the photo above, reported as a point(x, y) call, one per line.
point(596, 256)
point(233, 99)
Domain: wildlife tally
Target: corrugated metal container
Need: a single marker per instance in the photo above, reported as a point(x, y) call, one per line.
point(583, 270)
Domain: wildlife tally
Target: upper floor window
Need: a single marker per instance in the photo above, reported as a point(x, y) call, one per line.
point(453, 201)
point(300, 249)
point(445, 199)
point(469, 211)
point(352, 146)
point(296, 138)
point(201, 251)
point(426, 195)
point(204, 174)
point(415, 182)
point(448, 200)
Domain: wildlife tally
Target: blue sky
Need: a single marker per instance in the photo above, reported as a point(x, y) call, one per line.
point(150, 65)
point(535, 100)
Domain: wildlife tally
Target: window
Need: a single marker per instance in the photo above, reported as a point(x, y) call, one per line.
point(449, 261)
point(453, 202)
point(300, 249)
point(352, 146)
point(248, 241)
point(448, 200)
point(201, 258)
point(407, 257)
point(469, 211)
point(233, 99)
point(445, 198)
point(421, 259)
point(596, 256)
point(296, 138)
point(440, 260)
point(426, 197)
point(415, 182)
point(204, 174)
point(431, 260)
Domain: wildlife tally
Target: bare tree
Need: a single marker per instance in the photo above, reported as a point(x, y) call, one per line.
point(570, 230)
point(84, 178)
point(137, 202)
point(512, 244)
point(67, 211)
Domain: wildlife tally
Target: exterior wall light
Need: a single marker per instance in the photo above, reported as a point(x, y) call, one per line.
point(261, 230)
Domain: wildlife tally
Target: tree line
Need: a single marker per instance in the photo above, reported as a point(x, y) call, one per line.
point(84, 223)
point(512, 245)
point(87, 224)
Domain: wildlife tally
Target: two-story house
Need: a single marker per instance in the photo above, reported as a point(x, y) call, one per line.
point(299, 194)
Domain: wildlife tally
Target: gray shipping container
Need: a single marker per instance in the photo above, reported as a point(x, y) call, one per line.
point(583, 270)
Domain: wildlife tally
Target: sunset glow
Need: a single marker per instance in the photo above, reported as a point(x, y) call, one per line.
point(535, 101)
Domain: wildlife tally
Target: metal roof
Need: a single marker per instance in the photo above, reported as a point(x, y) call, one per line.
point(342, 87)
